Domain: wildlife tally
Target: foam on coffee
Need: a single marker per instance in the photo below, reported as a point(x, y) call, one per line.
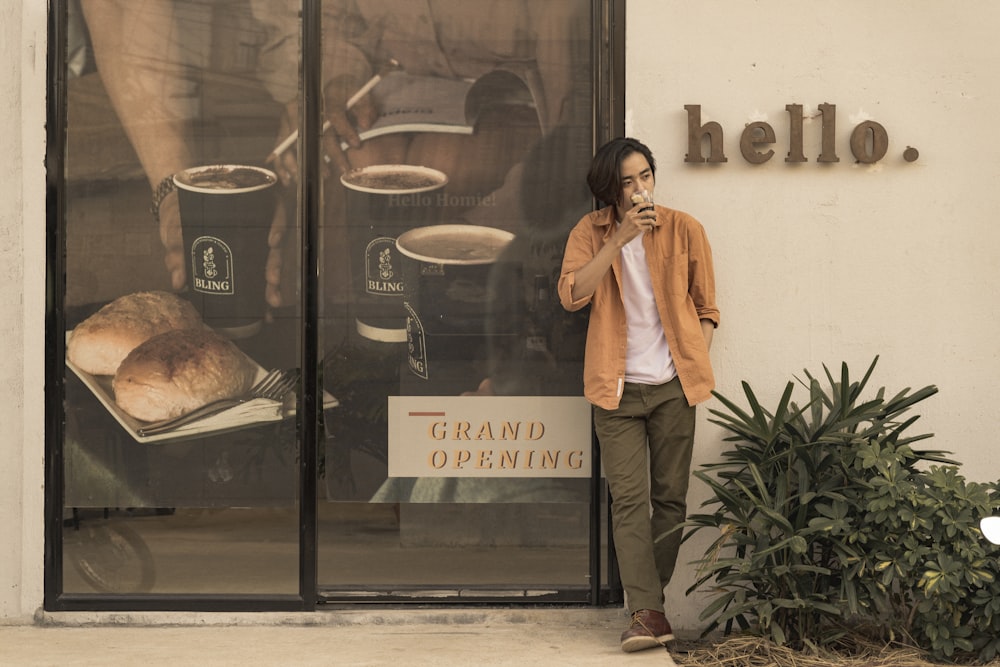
point(394, 178)
point(230, 178)
point(454, 244)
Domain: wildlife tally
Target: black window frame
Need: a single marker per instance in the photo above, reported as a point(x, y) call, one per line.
point(608, 56)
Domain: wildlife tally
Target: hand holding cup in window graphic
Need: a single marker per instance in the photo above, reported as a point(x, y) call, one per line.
point(187, 96)
point(144, 65)
point(176, 253)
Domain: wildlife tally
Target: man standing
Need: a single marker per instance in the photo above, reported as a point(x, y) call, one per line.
point(647, 272)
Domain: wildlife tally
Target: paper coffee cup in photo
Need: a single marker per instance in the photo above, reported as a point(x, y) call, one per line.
point(384, 201)
point(226, 214)
point(449, 299)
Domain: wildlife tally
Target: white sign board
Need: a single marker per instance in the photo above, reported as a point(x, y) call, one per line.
point(489, 436)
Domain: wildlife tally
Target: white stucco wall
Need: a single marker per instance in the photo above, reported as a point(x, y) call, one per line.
point(10, 329)
point(823, 263)
point(22, 289)
point(816, 263)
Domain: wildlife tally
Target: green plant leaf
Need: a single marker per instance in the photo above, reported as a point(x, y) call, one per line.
point(824, 511)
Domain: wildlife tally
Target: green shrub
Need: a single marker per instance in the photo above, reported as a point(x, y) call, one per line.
point(830, 524)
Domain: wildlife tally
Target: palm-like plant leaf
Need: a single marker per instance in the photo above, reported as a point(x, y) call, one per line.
point(790, 498)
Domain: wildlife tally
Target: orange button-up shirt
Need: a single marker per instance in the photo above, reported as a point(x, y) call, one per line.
point(680, 266)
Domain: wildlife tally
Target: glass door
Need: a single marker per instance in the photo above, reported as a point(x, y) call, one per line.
point(373, 194)
point(457, 465)
point(181, 263)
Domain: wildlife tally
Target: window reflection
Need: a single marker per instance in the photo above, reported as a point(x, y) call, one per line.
point(476, 251)
point(163, 86)
point(155, 88)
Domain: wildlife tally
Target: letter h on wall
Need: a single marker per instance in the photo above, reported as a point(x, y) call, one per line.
point(697, 131)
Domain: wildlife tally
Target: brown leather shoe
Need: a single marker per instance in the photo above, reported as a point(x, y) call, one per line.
point(647, 629)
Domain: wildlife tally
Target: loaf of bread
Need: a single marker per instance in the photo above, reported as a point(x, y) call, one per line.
point(175, 372)
point(100, 343)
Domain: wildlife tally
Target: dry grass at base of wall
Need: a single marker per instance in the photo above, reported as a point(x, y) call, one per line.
point(749, 651)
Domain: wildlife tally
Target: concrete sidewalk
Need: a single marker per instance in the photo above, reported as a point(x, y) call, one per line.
point(399, 638)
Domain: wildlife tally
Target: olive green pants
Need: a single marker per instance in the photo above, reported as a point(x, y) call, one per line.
point(646, 449)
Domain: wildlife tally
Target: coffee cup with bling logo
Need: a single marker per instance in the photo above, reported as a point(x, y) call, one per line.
point(226, 213)
point(384, 201)
point(454, 311)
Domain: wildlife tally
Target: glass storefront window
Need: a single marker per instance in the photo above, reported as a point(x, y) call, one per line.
point(452, 446)
point(158, 88)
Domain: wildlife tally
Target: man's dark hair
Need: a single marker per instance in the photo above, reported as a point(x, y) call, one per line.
point(605, 175)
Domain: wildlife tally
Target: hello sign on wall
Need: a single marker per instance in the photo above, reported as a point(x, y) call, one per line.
point(869, 139)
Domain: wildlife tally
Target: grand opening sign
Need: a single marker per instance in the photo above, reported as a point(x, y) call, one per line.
point(489, 436)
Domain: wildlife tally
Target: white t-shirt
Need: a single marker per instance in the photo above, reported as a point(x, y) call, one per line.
point(647, 357)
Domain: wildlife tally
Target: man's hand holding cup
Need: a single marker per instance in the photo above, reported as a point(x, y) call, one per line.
point(647, 211)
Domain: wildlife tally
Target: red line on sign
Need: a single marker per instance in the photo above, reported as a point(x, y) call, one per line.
point(426, 414)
